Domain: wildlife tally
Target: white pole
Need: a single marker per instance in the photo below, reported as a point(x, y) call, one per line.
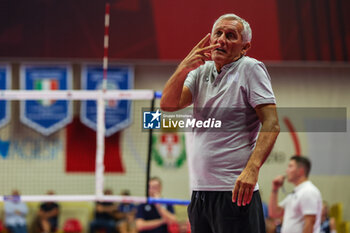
point(100, 146)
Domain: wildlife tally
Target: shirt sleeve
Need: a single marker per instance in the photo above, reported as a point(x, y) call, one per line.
point(24, 208)
point(140, 212)
point(309, 203)
point(8, 208)
point(259, 86)
point(284, 202)
point(170, 208)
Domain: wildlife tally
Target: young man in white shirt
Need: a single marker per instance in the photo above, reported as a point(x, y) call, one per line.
point(301, 209)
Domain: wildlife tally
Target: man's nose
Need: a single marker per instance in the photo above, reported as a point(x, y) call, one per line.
point(221, 39)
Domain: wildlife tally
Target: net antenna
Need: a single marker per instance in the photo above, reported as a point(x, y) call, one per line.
point(105, 47)
point(101, 112)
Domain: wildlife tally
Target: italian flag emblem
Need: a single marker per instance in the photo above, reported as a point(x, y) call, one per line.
point(46, 84)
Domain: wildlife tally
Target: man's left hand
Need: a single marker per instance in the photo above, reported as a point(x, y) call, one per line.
point(245, 184)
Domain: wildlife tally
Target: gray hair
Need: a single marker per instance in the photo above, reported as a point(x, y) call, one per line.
point(246, 32)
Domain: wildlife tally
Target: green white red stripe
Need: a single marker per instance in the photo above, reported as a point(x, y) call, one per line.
point(46, 84)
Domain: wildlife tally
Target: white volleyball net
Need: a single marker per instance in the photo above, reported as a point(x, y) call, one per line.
point(75, 162)
point(73, 165)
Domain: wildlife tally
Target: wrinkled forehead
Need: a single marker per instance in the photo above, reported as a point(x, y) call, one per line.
point(229, 24)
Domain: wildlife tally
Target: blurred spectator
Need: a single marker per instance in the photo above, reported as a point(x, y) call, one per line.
point(273, 225)
point(127, 212)
point(327, 223)
point(15, 214)
point(265, 210)
point(106, 214)
point(278, 223)
point(47, 220)
point(269, 222)
point(153, 218)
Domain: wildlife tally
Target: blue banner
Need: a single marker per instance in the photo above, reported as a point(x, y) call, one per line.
point(5, 84)
point(46, 116)
point(118, 112)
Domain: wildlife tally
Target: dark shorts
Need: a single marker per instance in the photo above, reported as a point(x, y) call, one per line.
point(214, 212)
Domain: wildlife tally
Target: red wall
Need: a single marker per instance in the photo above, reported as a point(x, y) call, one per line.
point(167, 29)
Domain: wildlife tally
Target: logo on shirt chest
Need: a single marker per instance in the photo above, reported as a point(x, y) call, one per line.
point(148, 208)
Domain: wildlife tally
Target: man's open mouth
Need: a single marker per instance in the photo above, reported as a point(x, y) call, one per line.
point(221, 50)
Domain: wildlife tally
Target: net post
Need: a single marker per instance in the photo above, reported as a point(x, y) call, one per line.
point(100, 146)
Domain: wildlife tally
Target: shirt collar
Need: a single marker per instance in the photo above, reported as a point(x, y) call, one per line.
point(216, 77)
point(227, 66)
point(300, 186)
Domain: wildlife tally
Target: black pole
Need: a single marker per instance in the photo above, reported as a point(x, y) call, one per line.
point(150, 139)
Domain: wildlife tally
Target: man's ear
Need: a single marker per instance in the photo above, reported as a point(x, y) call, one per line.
point(301, 171)
point(246, 47)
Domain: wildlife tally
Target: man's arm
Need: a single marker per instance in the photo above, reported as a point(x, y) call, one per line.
point(22, 209)
point(142, 224)
point(244, 187)
point(175, 96)
point(48, 214)
point(170, 100)
point(275, 211)
point(52, 213)
point(309, 222)
point(9, 209)
point(106, 208)
point(332, 225)
point(165, 214)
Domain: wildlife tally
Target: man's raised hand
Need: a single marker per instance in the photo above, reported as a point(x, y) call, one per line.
point(199, 54)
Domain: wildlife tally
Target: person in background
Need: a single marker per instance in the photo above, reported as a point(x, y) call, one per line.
point(301, 210)
point(15, 213)
point(327, 223)
point(265, 209)
point(106, 217)
point(47, 220)
point(127, 212)
point(153, 218)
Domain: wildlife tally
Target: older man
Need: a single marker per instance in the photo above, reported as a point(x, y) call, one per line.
point(223, 83)
point(15, 214)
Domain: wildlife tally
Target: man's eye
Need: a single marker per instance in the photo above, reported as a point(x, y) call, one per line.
point(218, 33)
point(230, 36)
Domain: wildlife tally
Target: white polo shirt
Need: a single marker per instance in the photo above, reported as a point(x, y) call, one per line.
point(304, 200)
point(11, 217)
point(220, 155)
